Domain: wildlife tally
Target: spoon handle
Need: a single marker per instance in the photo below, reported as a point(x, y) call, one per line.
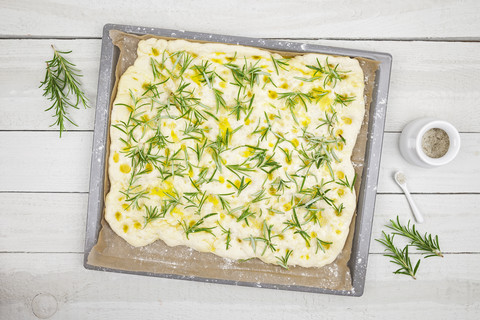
point(416, 213)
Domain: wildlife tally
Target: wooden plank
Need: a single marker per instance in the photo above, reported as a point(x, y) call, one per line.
point(453, 218)
point(21, 98)
point(436, 79)
point(60, 221)
point(40, 161)
point(312, 19)
point(445, 289)
point(462, 175)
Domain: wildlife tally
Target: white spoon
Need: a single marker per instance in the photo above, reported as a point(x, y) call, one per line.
point(402, 182)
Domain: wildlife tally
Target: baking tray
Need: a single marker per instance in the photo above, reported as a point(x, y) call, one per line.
point(367, 194)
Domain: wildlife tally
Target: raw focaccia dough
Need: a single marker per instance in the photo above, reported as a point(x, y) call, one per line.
point(289, 146)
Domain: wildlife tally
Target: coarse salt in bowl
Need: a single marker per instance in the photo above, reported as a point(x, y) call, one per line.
point(429, 142)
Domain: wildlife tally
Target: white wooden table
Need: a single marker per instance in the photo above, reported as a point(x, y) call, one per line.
point(44, 179)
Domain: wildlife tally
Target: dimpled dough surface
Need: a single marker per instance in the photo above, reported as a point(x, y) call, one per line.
point(235, 151)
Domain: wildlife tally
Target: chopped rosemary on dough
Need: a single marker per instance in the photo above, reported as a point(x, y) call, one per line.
point(230, 152)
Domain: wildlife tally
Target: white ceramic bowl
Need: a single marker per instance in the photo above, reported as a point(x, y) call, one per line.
point(411, 142)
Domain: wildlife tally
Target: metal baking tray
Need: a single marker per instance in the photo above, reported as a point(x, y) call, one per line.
point(367, 194)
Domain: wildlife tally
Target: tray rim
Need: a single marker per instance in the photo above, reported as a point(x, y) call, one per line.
point(367, 195)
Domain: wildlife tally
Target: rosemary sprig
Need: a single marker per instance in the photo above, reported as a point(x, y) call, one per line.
point(194, 132)
point(152, 213)
point(224, 202)
point(329, 121)
point(152, 89)
point(219, 100)
point(321, 244)
point(245, 214)
point(283, 261)
point(318, 68)
point(425, 243)
point(259, 154)
point(312, 216)
point(206, 76)
point(269, 165)
point(133, 197)
point(279, 63)
point(156, 69)
point(317, 193)
point(295, 97)
point(399, 257)
point(318, 93)
point(239, 169)
point(195, 227)
point(259, 195)
point(60, 83)
point(333, 74)
point(248, 74)
point(308, 79)
point(288, 155)
point(297, 227)
point(253, 243)
point(267, 238)
point(242, 106)
point(346, 183)
point(344, 100)
point(184, 60)
point(263, 130)
point(228, 235)
point(318, 152)
point(242, 185)
point(279, 185)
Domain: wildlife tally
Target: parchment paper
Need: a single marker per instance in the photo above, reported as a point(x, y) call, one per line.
point(113, 252)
